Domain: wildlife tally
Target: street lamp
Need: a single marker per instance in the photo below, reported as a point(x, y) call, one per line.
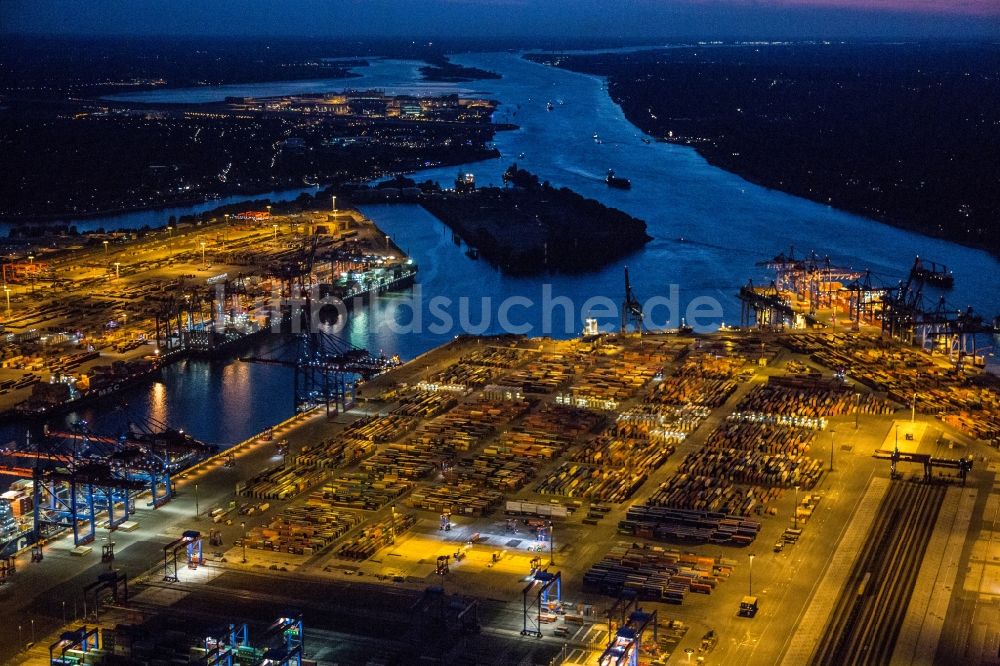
point(6, 291)
point(275, 232)
point(751, 574)
point(118, 273)
point(552, 543)
point(105, 248)
point(795, 511)
point(203, 254)
point(244, 542)
point(392, 524)
point(832, 434)
point(334, 197)
point(196, 500)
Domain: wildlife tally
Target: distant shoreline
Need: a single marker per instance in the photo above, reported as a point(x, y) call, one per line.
point(843, 126)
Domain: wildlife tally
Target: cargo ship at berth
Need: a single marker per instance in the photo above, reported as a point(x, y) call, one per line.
point(933, 274)
point(56, 397)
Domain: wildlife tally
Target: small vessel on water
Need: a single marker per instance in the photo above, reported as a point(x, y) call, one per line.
point(549, 106)
point(645, 140)
point(614, 181)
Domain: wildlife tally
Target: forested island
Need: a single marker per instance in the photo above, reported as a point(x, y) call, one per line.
point(441, 69)
point(530, 227)
point(903, 133)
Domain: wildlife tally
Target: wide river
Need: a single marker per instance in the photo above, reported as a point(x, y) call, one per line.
point(709, 229)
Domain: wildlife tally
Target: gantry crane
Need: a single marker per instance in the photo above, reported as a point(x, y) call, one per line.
point(631, 309)
point(327, 368)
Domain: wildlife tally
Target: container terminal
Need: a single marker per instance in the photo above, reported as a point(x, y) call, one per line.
point(85, 321)
point(618, 498)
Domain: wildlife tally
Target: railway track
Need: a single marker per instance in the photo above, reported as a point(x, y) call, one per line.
point(870, 610)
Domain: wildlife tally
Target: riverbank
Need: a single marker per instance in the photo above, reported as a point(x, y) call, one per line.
point(836, 124)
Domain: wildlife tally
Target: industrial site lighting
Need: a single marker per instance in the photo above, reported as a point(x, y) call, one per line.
point(751, 574)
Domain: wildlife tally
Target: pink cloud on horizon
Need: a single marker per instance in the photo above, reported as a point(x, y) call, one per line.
point(982, 8)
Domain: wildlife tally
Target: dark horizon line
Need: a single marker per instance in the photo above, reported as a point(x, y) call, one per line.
point(431, 40)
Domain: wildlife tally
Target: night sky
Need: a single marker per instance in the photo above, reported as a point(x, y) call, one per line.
point(629, 19)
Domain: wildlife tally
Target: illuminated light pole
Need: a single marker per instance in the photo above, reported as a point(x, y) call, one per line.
point(913, 408)
point(832, 434)
point(244, 542)
point(795, 511)
point(6, 291)
point(275, 232)
point(552, 543)
point(392, 524)
point(203, 263)
point(751, 574)
point(196, 500)
point(334, 197)
point(105, 248)
point(857, 409)
point(118, 273)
